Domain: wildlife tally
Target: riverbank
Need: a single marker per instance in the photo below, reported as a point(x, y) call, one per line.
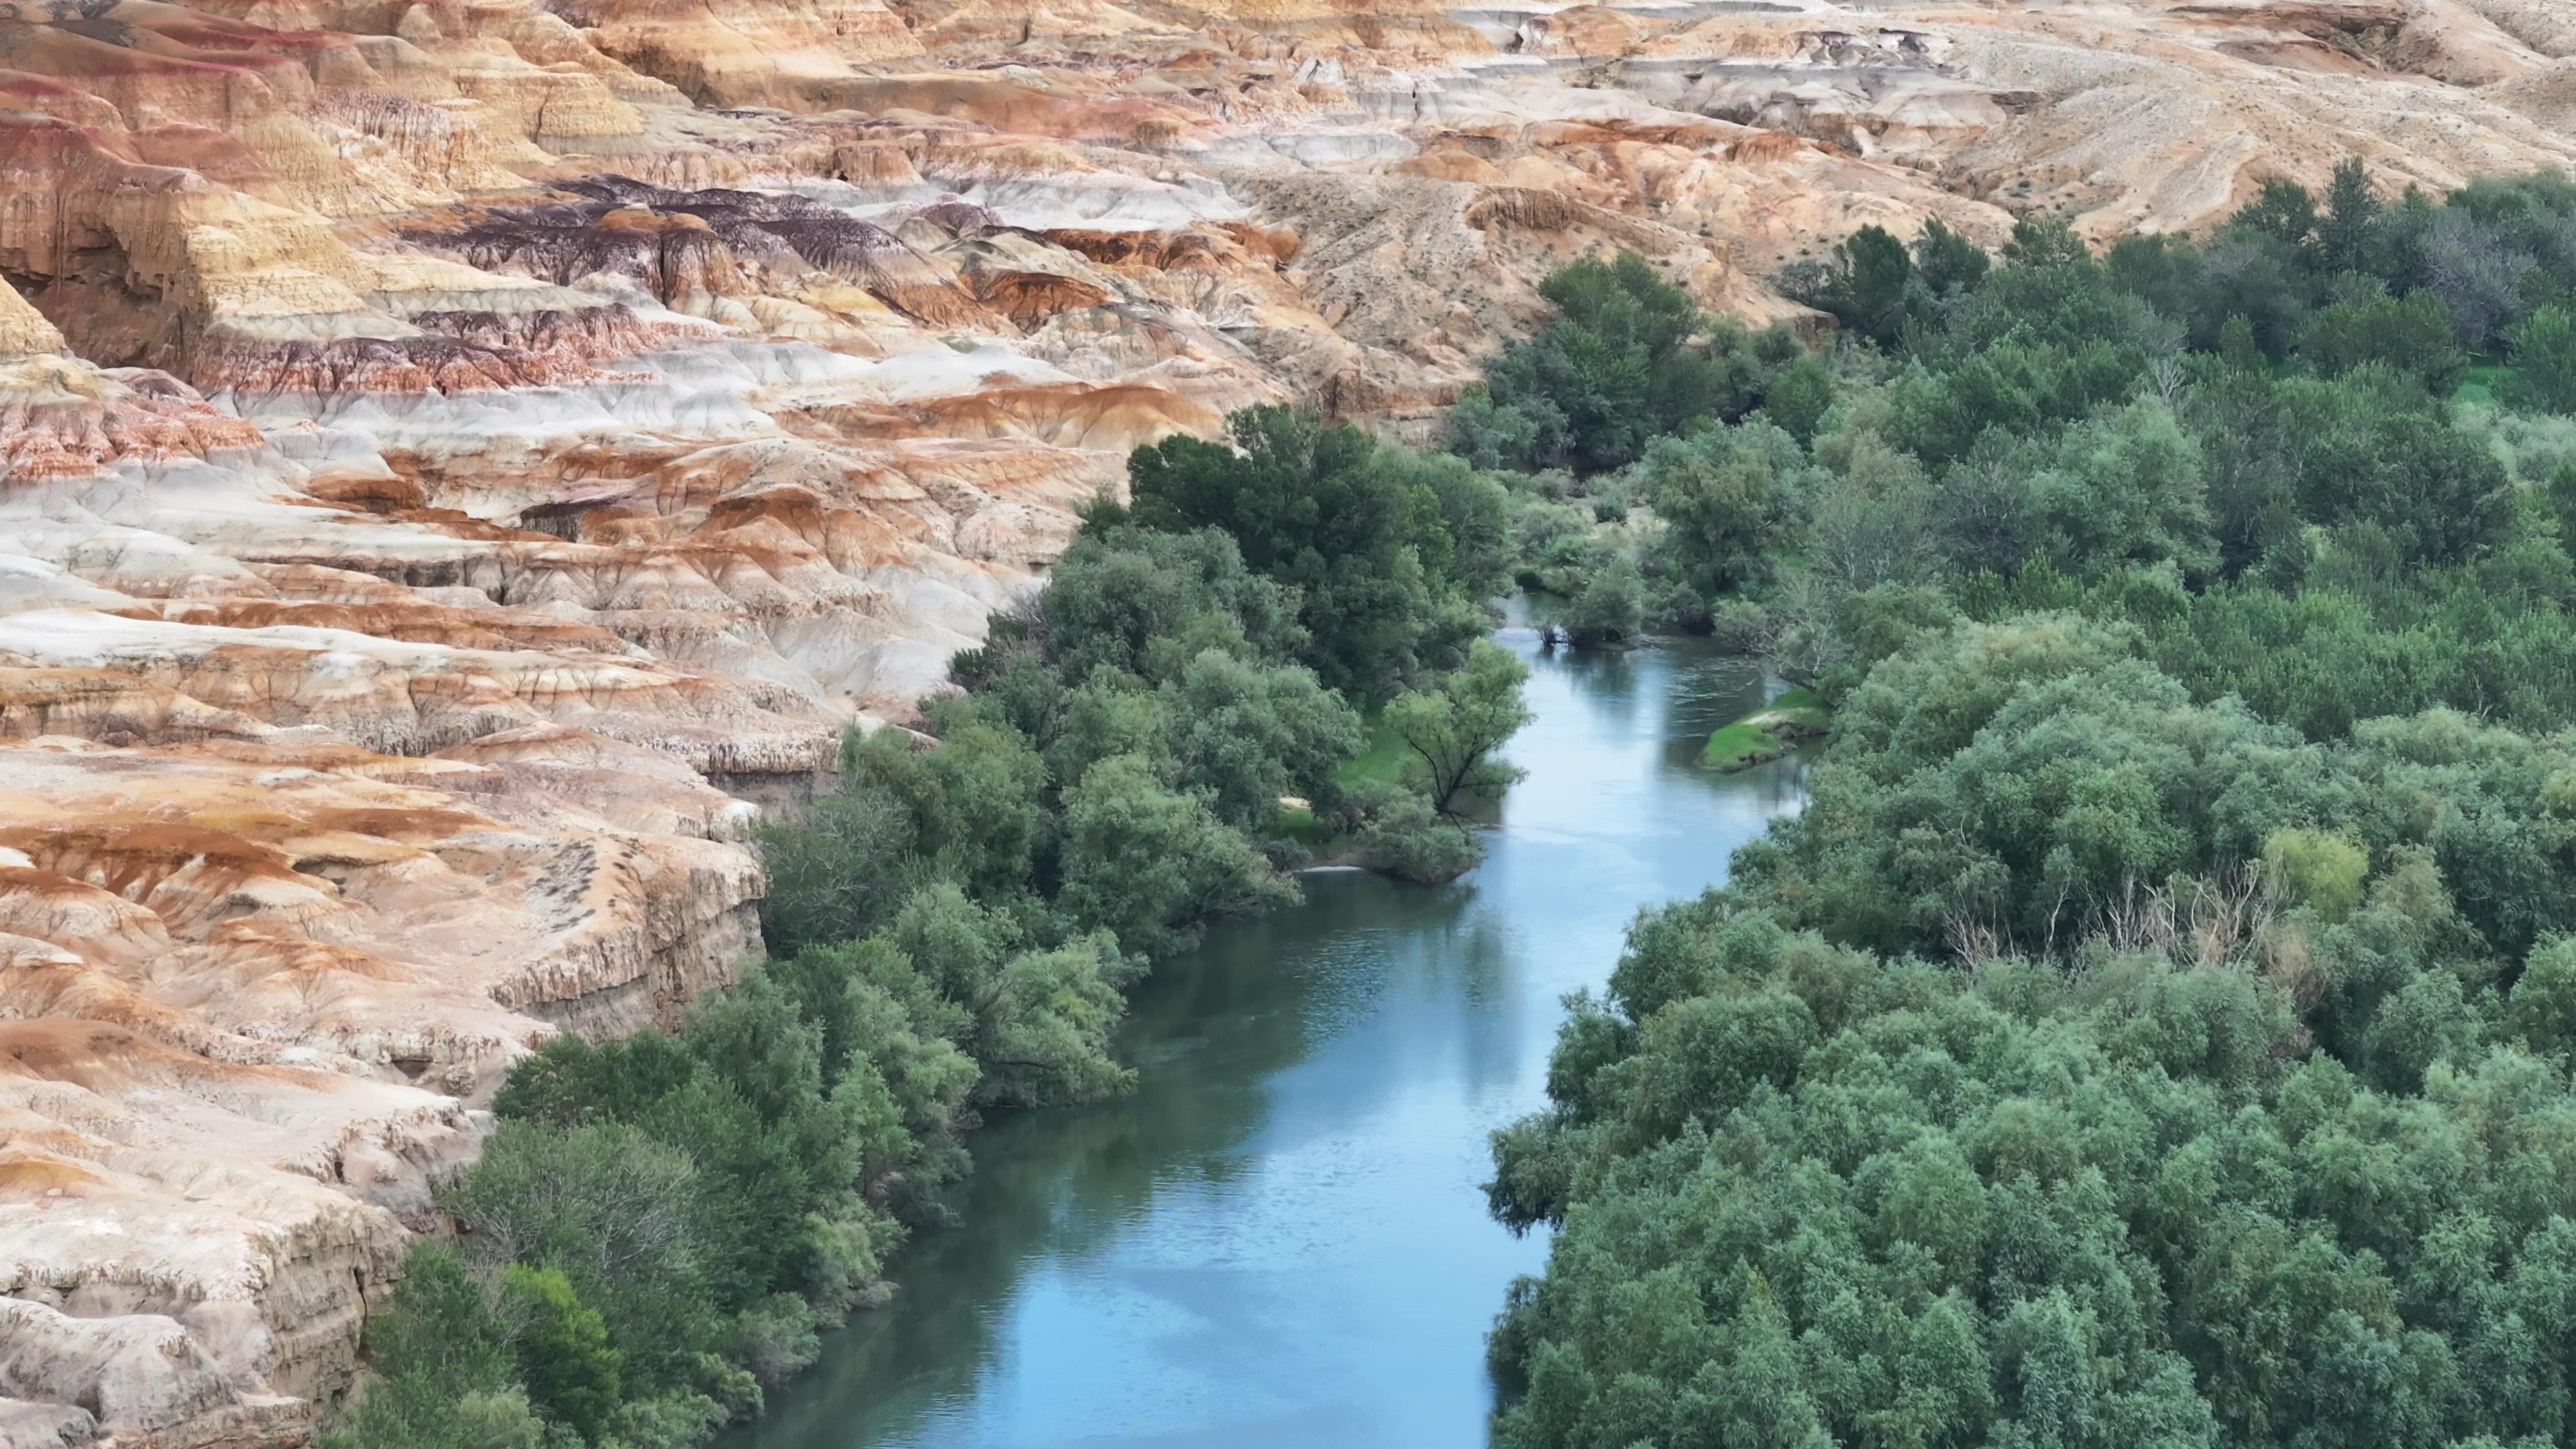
point(1280, 1236)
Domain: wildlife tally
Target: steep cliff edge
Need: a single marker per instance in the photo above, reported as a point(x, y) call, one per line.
point(460, 460)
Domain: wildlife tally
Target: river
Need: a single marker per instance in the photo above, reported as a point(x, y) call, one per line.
point(1279, 1238)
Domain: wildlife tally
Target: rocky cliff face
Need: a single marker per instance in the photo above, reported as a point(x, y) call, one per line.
point(457, 456)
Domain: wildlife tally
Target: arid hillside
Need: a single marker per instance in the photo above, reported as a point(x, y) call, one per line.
point(461, 462)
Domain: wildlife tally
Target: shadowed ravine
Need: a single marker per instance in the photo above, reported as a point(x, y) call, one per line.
point(1279, 1238)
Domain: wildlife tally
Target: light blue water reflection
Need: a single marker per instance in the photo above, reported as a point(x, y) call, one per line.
point(1279, 1239)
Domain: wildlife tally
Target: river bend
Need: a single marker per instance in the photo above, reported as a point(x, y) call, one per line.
point(1279, 1238)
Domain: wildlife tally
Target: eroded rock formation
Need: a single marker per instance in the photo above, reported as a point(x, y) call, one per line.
point(461, 460)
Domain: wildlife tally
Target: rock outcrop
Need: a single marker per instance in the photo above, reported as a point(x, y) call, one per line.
point(461, 461)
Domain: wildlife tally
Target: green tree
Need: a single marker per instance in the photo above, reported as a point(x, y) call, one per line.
point(2543, 1003)
point(440, 1327)
point(972, 800)
point(1110, 713)
point(1037, 1022)
point(1611, 608)
point(1800, 396)
point(1397, 833)
point(2254, 275)
point(2236, 344)
point(1461, 522)
point(1145, 603)
point(1488, 434)
point(2440, 496)
point(2409, 334)
point(2285, 211)
point(2315, 869)
point(1245, 736)
point(614, 1211)
point(1864, 284)
point(1948, 263)
point(2151, 1029)
point(2349, 227)
point(571, 1372)
point(1616, 367)
point(2038, 244)
point(444, 1373)
point(1154, 865)
point(1451, 732)
point(838, 873)
point(881, 1020)
point(2543, 349)
point(2126, 488)
point(1314, 508)
point(1724, 508)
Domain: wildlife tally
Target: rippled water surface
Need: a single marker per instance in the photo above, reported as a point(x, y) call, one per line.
point(1279, 1239)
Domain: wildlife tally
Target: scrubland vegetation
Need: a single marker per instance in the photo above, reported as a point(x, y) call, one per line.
point(2150, 1033)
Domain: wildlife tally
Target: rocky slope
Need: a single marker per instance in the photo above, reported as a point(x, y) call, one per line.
point(460, 461)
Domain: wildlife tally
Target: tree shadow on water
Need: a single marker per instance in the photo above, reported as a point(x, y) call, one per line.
point(1052, 1190)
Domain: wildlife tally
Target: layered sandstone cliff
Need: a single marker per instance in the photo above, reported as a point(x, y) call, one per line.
point(460, 461)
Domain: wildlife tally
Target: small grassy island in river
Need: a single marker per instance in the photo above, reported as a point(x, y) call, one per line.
point(1768, 733)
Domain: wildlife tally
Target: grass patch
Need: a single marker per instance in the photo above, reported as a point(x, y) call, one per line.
point(1300, 825)
point(1739, 746)
point(1801, 709)
point(1383, 759)
point(1766, 734)
point(2480, 384)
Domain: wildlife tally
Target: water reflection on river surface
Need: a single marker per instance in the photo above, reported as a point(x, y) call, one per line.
point(1279, 1239)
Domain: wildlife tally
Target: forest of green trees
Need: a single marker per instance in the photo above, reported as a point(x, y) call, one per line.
point(2156, 1029)
point(660, 1225)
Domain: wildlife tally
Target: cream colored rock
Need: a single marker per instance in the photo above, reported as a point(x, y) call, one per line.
point(23, 329)
point(2547, 27)
point(243, 996)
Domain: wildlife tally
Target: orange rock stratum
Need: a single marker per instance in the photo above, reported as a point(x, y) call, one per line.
point(462, 461)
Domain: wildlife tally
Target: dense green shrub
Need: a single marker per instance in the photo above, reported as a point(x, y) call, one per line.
point(1864, 283)
point(1611, 608)
point(1727, 508)
point(1809, 1195)
point(2543, 348)
point(1396, 832)
point(2006, 1031)
point(1627, 358)
point(1373, 544)
point(2409, 334)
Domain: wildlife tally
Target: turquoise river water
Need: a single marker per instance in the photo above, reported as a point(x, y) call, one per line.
point(1279, 1239)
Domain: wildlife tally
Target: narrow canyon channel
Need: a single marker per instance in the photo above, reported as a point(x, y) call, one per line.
point(1279, 1238)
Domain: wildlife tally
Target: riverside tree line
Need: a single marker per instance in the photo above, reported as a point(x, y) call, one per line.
point(660, 1225)
point(2157, 1027)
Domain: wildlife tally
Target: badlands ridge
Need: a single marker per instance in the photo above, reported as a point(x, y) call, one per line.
point(461, 461)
